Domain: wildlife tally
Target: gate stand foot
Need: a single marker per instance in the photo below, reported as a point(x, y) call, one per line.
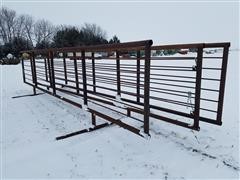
point(27, 95)
point(83, 131)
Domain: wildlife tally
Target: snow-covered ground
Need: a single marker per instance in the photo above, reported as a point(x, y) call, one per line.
point(30, 124)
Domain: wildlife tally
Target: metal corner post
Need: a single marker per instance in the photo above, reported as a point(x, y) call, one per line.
point(222, 84)
point(138, 75)
point(23, 71)
point(147, 88)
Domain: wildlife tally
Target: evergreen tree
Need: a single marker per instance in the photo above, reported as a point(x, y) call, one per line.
point(67, 37)
point(114, 40)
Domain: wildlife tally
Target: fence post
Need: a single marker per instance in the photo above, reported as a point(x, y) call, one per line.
point(93, 73)
point(118, 73)
point(34, 68)
point(32, 61)
point(147, 87)
point(76, 71)
point(222, 84)
point(84, 76)
point(49, 69)
point(65, 68)
point(198, 88)
point(138, 76)
point(45, 66)
point(52, 73)
point(23, 71)
point(46, 72)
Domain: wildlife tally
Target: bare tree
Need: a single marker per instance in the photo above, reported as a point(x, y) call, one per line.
point(43, 31)
point(3, 33)
point(7, 24)
point(94, 30)
point(19, 27)
point(29, 28)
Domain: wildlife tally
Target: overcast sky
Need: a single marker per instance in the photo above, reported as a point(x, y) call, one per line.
point(163, 22)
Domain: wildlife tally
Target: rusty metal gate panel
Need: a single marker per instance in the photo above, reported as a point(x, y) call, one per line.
point(182, 89)
point(179, 85)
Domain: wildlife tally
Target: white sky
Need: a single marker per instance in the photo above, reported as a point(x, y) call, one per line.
point(163, 22)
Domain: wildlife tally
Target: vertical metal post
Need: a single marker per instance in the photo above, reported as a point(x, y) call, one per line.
point(147, 88)
point(52, 72)
point(93, 73)
point(118, 73)
point(222, 84)
point(31, 63)
point(34, 69)
point(138, 76)
point(65, 68)
point(128, 112)
point(84, 77)
point(76, 72)
point(198, 88)
point(33, 72)
point(49, 70)
point(93, 119)
point(45, 66)
point(23, 71)
point(46, 72)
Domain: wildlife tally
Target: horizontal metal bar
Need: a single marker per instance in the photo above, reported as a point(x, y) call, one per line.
point(117, 121)
point(209, 110)
point(193, 45)
point(166, 119)
point(104, 47)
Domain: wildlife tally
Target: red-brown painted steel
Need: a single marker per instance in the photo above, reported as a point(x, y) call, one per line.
point(150, 95)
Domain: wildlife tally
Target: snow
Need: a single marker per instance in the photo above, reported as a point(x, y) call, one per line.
point(30, 125)
point(118, 102)
point(10, 56)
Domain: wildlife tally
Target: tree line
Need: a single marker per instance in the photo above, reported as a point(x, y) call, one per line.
point(23, 32)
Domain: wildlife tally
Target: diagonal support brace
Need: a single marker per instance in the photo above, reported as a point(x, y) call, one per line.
point(83, 131)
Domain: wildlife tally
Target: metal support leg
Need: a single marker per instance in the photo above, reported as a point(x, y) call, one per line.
point(93, 119)
point(128, 112)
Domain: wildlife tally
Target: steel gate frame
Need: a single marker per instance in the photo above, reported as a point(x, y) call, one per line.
point(44, 78)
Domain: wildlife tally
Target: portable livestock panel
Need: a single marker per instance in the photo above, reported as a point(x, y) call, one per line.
point(124, 85)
